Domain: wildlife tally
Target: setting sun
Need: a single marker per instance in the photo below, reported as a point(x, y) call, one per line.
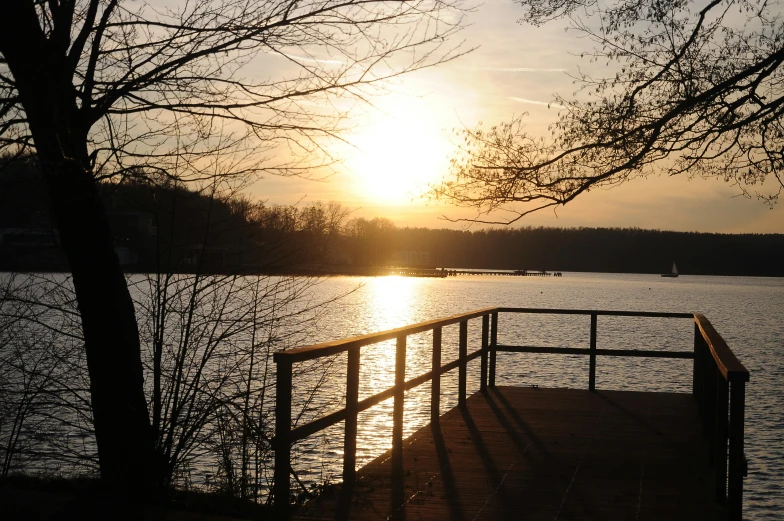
point(399, 154)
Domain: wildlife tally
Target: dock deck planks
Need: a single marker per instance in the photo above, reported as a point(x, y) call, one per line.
point(544, 454)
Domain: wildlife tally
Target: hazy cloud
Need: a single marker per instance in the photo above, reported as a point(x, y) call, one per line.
point(312, 60)
point(518, 69)
point(535, 102)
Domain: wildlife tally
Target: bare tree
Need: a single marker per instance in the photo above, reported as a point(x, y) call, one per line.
point(693, 88)
point(98, 88)
point(207, 341)
point(45, 416)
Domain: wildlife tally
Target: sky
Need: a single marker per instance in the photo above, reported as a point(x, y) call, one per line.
point(406, 139)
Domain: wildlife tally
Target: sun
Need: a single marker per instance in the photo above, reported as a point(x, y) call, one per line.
point(399, 154)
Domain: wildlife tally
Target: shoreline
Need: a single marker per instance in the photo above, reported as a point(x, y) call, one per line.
point(374, 271)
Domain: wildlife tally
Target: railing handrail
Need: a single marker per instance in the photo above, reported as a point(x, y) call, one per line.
point(598, 312)
point(731, 368)
point(311, 352)
point(333, 347)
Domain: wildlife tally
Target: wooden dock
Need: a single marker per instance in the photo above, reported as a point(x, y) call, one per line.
point(506, 273)
point(443, 272)
point(403, 271)
point(544, 454)
point(530, 453)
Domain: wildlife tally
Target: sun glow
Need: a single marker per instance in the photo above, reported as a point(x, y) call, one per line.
point(400, 153)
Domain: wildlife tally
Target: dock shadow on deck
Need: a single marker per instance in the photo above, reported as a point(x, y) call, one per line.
point(550, 454)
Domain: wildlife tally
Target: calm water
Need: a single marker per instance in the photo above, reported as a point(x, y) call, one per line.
point(747, 312)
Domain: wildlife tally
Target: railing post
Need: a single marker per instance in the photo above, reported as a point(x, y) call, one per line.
point(710, 413)
point(706, 363)
point(737, 468)
point(352, 410)
point(397, 409)
point(463, 354)
point(282, 443)
point(435, 389)
point(493, 344)
point(485, 342)
point(592, 355)
point(695, 375)
point(720, 438)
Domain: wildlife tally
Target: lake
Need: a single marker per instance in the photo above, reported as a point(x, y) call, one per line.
point(747, 312)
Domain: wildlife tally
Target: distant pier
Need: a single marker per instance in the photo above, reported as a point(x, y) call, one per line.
point(444, 272)
point(402, 271)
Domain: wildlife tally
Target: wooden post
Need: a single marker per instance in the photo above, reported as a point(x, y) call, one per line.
point(592, 355)
point(282, 443)
point(720, 443)
point(435, 389)
point(397, 408)
point(493, 344)
point(710, 417)
point(695, 372)
point(463, 353)
point(706, 364)
point(737, 468)
point(485, 343)
point(352, 410)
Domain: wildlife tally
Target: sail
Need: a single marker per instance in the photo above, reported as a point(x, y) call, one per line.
point(674, 269)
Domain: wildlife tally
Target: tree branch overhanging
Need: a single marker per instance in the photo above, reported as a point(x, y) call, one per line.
point(694, 90)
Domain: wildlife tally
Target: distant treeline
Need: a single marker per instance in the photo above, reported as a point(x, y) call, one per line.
point(160, 225)
point(612, 250)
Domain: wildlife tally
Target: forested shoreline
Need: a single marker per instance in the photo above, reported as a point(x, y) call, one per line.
point(160, 225)
point(615, 250)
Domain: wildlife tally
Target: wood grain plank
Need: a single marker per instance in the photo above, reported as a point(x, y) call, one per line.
point(554, 454)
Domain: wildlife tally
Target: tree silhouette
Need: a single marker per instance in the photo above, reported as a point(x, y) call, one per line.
point(105, 89)
point(692, 89)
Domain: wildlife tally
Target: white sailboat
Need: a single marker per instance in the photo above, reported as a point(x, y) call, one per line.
point(674, 272)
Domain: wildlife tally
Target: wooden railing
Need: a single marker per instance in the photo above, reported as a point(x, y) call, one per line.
point(718, 384)
point(720, 388)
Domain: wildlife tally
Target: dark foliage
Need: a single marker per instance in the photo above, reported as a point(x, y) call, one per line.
point(613, 250)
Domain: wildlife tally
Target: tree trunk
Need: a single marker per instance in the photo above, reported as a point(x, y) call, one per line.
point(122, 426)
point(59, 128)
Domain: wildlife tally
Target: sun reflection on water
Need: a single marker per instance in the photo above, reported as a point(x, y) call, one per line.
point(394, 302)
point(391, 300)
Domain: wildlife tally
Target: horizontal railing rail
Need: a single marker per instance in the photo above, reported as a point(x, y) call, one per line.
point(301, 354)
point(605, 312)
point(718, 384)
point(645, 353)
